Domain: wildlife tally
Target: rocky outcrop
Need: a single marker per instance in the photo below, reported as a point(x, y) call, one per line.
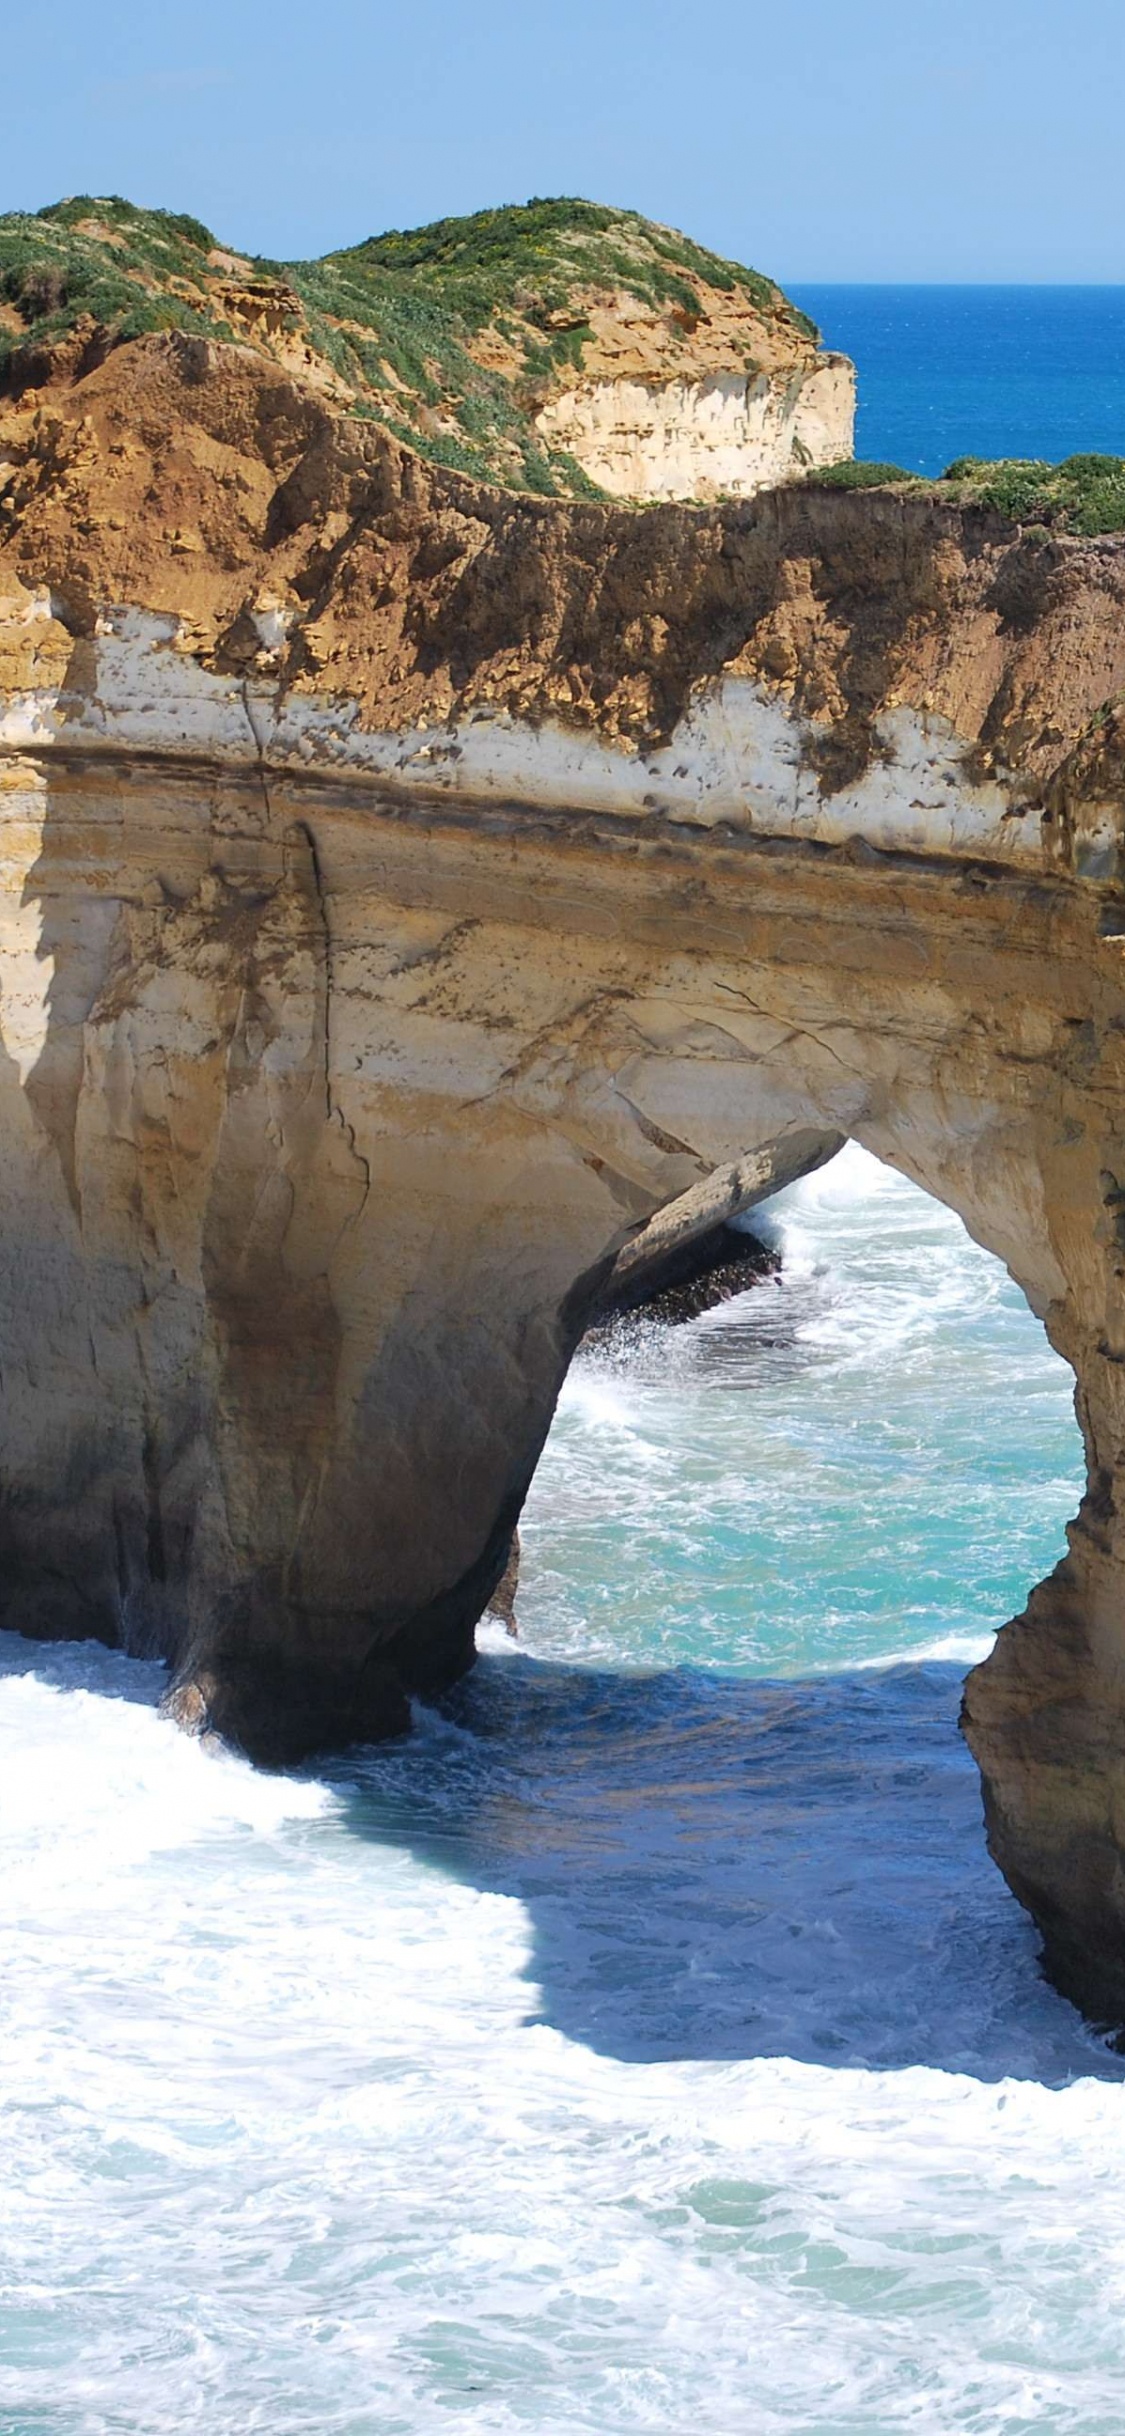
point(407, 892)
point(725, 436)
point(695, 1278)
point(702, 1216)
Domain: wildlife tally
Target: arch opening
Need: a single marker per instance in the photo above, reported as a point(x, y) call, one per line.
point(886, 1433)
point(762, 1547)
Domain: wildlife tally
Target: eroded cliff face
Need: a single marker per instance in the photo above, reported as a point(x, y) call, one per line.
point(725, 436)
point(408, 891)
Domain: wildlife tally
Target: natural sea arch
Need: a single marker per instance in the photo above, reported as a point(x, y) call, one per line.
point(327, 1111)
point(863, 1457)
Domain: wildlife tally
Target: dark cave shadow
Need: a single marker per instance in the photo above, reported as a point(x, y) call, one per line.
point(720, 1868)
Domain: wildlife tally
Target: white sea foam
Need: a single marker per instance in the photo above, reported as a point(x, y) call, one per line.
point(648, 2043)
point(963, 1649)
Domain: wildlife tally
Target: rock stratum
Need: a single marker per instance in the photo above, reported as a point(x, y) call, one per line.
point(410, 891)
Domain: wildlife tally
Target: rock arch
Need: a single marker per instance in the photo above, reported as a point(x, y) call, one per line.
point(374, 965)
point(323, 1130)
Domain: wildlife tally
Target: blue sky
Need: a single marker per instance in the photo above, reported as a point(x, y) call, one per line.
point(971, 140)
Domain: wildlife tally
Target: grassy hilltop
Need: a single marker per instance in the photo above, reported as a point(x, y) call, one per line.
point(453, 336)
point(1084, 494)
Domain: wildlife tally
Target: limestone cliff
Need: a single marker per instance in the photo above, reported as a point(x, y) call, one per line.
point(727, 435)
point(408, 890)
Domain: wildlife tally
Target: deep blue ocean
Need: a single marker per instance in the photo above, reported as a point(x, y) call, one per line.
point(950, 372)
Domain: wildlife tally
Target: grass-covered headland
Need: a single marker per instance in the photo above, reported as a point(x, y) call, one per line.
point(452, 335)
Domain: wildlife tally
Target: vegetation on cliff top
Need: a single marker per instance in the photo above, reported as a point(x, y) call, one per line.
point(452, 335)
point(1083, 495)
point(455, 335)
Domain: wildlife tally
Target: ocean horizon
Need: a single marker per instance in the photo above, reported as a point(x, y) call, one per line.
point(984, 371)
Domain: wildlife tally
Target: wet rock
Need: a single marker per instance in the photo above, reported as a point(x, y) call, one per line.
point(691, 1278)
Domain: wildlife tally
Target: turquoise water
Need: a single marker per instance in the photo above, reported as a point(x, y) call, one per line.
point(646, 2044)
point(949, 372)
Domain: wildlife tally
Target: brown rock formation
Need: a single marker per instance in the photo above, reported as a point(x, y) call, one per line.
point(556, 347)
point(408, 890)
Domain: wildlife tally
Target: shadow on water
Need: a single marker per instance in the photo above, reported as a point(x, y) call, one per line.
point(712, 1867)
point(717, 1868)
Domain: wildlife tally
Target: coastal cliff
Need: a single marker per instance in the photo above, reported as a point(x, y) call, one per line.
point(557, 347)
point(409, 888)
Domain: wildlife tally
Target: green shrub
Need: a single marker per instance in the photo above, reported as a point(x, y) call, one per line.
point(1084, 494)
